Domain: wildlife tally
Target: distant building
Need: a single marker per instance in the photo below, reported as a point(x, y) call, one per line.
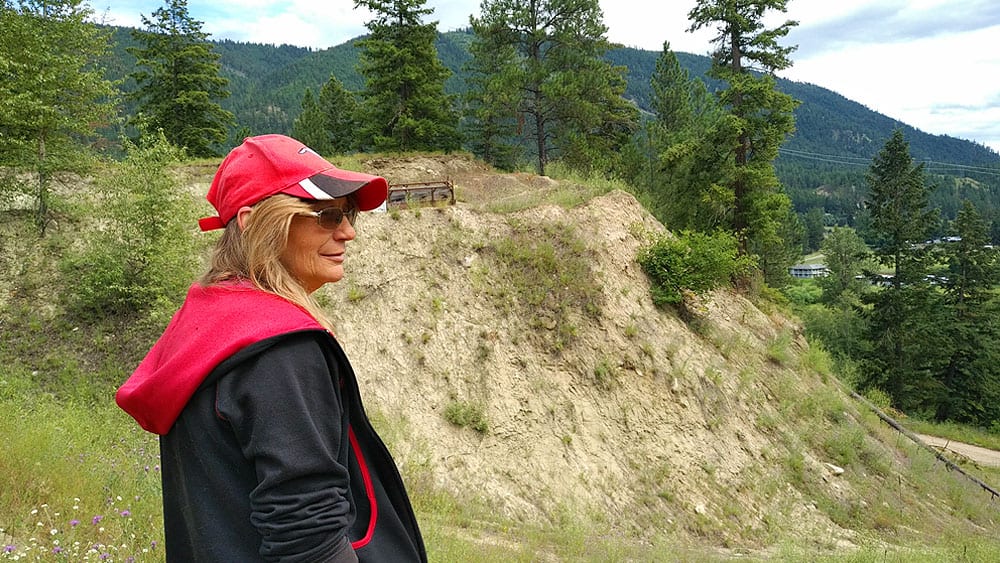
point(809, 270)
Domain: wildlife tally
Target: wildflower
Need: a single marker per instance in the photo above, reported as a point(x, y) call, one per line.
point(57, 549)
point(74, 523)
point(96, 519)
point(9, 548)
point(104, 556)
point(130, 559)
point(125, 513)
point(53, 532)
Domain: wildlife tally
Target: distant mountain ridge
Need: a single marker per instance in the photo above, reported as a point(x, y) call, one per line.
point(267, 83)
point(821, 165)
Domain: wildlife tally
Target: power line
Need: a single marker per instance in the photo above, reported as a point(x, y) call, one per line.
point(932, 165)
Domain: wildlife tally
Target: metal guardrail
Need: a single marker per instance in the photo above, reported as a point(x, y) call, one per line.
point(916, 439)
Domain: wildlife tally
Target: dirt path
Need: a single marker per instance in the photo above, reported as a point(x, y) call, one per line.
point(982, 456)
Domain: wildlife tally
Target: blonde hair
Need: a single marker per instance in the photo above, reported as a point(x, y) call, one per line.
point(254, 253)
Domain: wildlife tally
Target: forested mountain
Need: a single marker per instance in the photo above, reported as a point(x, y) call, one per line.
point(822, 164)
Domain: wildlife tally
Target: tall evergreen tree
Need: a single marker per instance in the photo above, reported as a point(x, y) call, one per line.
point(746, 57)
point(971, 380)
point(567, 100)
point(688, 187)
point(179, 81)
point(53, 94)
point(340, 109)
point(906, 320)
point(327, 125)
point(310, 126)
point(404, 105)
point(491, 106)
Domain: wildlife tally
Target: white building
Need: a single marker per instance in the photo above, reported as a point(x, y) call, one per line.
point(808, 270)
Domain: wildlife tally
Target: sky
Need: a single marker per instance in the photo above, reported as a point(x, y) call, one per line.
point(932, 64)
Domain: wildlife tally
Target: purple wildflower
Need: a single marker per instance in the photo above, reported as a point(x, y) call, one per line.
point(125, 513)
point(57, 549)
point(96, 519)
point(105, 556)
point(130, 559)
point(74, 523)
point(9, 548)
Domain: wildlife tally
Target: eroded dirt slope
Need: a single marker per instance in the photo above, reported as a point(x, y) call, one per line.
point(673, 438)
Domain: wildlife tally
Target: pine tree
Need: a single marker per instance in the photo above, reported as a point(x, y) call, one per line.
point(52, 94)
point(690, 173)
point(179, 81)
point(746, 58)
point(491, 105)
point(897, 203)
point(906, 320)
point(971, 380)
point(340, 110)
point(404, 105)
point(310, 126)
point(327, 125)
point(566, 100)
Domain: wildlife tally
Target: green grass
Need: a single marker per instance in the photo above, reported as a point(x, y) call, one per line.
point(77, 480)
point(571, 190)
point(542, 273)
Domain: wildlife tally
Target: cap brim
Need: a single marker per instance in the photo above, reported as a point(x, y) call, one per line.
point(369, 191)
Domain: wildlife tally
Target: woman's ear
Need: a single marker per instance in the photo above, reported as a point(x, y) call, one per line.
point(242, 216)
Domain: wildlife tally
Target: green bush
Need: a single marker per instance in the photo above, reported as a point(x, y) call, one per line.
point(142, 254)
point(467, 415)
point(694, 262)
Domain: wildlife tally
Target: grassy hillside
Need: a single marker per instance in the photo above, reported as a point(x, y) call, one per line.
point(540, 406)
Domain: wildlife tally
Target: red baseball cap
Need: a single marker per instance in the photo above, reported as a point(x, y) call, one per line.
point(271, 164)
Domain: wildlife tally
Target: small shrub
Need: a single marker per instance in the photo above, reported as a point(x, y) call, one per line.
point(879, 398)
point(467, 415)
point(355, 293)
point(692, 262)
point(631, 330)
point(145, 255)
point(605, 374)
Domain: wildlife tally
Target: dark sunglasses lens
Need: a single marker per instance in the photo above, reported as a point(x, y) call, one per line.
point(332, 217)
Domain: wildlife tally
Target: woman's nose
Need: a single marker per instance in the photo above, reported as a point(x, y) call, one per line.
point(345, 231)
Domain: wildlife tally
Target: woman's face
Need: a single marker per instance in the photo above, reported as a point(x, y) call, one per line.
point(314, 254)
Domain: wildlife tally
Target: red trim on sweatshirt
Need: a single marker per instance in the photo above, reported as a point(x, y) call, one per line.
point(369, 491)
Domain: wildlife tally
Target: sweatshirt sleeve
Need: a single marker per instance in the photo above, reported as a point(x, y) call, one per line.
point(286, 412)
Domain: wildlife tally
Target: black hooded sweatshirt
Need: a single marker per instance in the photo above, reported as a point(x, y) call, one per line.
point(272, 457)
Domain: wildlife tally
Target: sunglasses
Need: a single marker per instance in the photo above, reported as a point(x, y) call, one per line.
point(331, 217)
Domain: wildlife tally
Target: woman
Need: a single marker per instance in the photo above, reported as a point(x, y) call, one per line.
point(267, 454)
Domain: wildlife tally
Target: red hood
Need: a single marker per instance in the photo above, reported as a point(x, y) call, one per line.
point(214, 323)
